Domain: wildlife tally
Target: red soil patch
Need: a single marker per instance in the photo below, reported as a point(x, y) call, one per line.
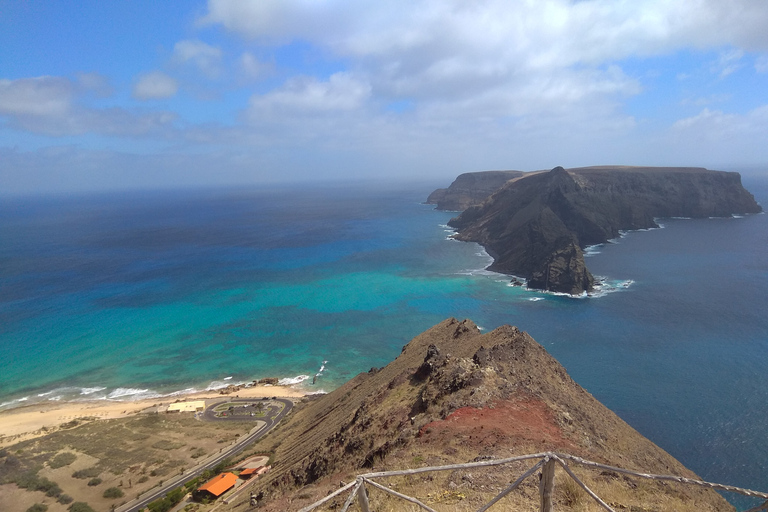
point(506, 423)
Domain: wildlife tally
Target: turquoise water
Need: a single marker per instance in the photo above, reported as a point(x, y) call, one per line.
point(124, 296)
point(156, 293)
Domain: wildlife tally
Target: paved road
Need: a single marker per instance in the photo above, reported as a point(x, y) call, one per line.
point(269, 405)
point(266, 424)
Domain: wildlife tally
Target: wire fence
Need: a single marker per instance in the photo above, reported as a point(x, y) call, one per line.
point(545, 461)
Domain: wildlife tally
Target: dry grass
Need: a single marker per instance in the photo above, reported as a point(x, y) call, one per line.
point(468, 490)
point(499, 394)
point(132, 454)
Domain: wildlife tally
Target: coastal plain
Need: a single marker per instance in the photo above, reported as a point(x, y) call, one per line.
point(36, 420)
point(80, 450)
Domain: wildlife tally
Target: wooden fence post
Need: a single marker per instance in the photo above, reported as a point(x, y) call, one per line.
point(362, 499)
point(547, 485)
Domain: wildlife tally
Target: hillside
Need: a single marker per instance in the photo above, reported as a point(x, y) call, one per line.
point(536, 226)
point(454, 395)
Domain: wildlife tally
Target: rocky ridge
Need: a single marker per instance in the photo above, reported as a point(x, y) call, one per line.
point(453, 395)
point(537, 226)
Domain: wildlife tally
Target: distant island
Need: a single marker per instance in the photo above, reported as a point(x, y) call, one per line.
point(535, 225)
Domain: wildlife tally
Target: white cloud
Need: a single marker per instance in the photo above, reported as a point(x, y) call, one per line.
point(154, 85)
point(541, 53)
point(306, 95)
point(549, 30)
point(205, 57)
point(761, 64)
point(700, 101)
point(94, 83)
point(705, 117)
point(40, 96)
point(252, 68)
point(48, 105)
point(728, 62)
point(726, 138)
point(534, 77)
point(420, 86)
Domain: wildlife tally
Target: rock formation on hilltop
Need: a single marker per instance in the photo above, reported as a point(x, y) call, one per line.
point(537, 225)
point(454, 395)
point(470, 189)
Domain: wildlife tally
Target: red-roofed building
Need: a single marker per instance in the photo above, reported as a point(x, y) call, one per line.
point(249, 472)
point(218, 485)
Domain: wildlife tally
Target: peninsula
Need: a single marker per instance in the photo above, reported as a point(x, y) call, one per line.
point(536, 225)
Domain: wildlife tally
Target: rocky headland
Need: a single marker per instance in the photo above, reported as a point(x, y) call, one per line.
point(454, 395)
point(470, 189)
point(536, 226)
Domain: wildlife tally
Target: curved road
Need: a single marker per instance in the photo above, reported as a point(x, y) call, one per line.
point(268, 423)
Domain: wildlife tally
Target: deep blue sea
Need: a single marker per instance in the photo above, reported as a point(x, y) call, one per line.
point(119, 296)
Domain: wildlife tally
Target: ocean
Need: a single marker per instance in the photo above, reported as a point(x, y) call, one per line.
point(128, 295)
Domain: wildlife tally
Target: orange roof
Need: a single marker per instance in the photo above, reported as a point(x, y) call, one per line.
point(220, 484)
point(248, 471)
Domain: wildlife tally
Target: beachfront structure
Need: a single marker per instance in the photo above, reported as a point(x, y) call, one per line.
point(195, 406)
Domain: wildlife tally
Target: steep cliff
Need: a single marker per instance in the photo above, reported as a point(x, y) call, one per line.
point(536, 226)
point(453, 395)
point(470, 189)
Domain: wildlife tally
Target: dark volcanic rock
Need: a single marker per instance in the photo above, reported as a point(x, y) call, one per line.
point(536, 226)
point(470, 189)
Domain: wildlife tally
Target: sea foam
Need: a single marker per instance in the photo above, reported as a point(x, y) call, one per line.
point(291, 381)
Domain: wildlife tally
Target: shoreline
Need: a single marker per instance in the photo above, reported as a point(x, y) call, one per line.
point(41, 418)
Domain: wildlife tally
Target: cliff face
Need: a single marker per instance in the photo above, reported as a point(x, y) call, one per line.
point(536, 226)
point(470, 189)
point(452, 395)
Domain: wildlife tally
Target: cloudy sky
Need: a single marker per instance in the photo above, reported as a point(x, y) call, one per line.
point(98, 94)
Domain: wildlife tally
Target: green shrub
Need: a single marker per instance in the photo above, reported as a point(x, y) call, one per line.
point(80, 506)
point(198, 452)
point(113, 493)
point(192, 483)
point(87, 473)
point(171, 499)
point(32, 482)
point(62, 459)
point(64, 499)
point(94, 481)
point(143, 479)
point(165, 444)
point(37, 507)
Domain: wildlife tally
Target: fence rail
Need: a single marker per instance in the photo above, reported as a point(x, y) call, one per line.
point(547, 461)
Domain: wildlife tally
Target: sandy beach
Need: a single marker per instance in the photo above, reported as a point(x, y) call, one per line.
point(36, 420)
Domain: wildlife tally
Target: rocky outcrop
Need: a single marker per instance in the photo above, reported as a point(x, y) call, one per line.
point(536, 226)
point(470, 189)
point(232, 388)
point(455, 394)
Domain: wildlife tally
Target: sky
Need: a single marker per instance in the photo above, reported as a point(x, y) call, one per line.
point(101, 95)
